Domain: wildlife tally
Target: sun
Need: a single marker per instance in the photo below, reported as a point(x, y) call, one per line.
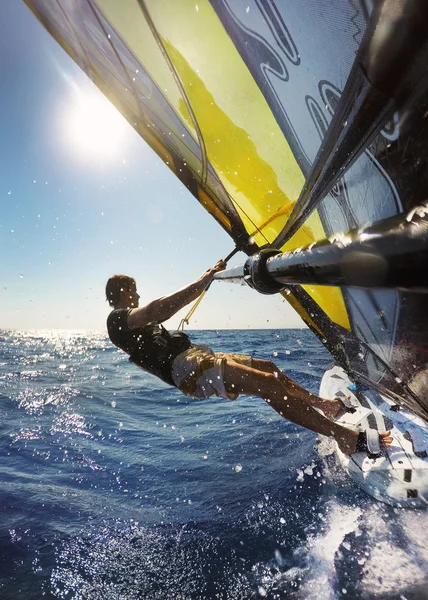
point(94, 127)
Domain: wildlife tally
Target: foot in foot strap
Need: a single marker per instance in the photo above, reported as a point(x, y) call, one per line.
point(370, 441)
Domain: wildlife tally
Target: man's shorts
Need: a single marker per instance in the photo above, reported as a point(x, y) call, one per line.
point(198, 372)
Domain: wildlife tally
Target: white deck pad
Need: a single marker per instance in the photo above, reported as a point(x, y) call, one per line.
point(399, 476)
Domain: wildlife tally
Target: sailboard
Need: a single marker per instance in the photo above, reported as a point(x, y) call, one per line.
point(396, 474)
point(300, 127)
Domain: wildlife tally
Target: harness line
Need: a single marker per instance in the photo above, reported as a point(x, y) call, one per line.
point(187, 318)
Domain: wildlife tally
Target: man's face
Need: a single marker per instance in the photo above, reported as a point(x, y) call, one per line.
point(131, 294)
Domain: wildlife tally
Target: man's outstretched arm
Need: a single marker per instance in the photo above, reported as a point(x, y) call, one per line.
point(164, 308)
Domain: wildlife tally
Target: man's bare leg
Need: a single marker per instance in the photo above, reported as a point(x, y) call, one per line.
point(288, 401)
point(330, 408)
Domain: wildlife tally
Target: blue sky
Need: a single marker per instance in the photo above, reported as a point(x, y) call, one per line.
point(80, 203)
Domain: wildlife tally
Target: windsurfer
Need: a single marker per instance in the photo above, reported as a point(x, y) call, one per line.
point(200, 373)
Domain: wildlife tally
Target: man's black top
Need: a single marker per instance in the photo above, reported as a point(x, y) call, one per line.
point(151, 347)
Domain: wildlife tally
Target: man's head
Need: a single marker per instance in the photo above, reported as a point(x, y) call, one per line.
point(121, 292)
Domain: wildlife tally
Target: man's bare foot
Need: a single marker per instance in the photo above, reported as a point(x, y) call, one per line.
point(348, 442)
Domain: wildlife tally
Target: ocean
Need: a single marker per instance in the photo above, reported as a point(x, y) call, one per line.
point(115, 486)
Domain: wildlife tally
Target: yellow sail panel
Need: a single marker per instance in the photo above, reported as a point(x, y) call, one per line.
point(253, 160)
point(330, 299)
point(242, 138)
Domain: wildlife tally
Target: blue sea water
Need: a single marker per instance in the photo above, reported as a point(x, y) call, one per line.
point(115, 486)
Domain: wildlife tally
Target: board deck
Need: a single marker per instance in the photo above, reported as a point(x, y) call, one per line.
point(399, 476)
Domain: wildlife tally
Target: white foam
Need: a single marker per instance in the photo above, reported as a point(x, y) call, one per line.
point(398, 556)
point(321, 551)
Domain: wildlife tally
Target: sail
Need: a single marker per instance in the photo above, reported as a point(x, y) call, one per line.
point(236, 98)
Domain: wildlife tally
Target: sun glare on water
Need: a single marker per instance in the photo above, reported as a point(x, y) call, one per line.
point(94, 127)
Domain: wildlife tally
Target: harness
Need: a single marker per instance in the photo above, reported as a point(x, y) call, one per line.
point(156, 348)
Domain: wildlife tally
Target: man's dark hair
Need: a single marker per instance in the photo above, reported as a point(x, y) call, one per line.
point(115, 285)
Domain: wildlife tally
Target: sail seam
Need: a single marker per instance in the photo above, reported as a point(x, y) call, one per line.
point(141, 111)
point(180, 85)
point(145, 114)
point(88, 60)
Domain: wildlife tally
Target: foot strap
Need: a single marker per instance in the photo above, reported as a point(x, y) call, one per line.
point(418, 442)
point(368, 441)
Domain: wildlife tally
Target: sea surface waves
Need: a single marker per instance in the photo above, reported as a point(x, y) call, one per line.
point(115, 486)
